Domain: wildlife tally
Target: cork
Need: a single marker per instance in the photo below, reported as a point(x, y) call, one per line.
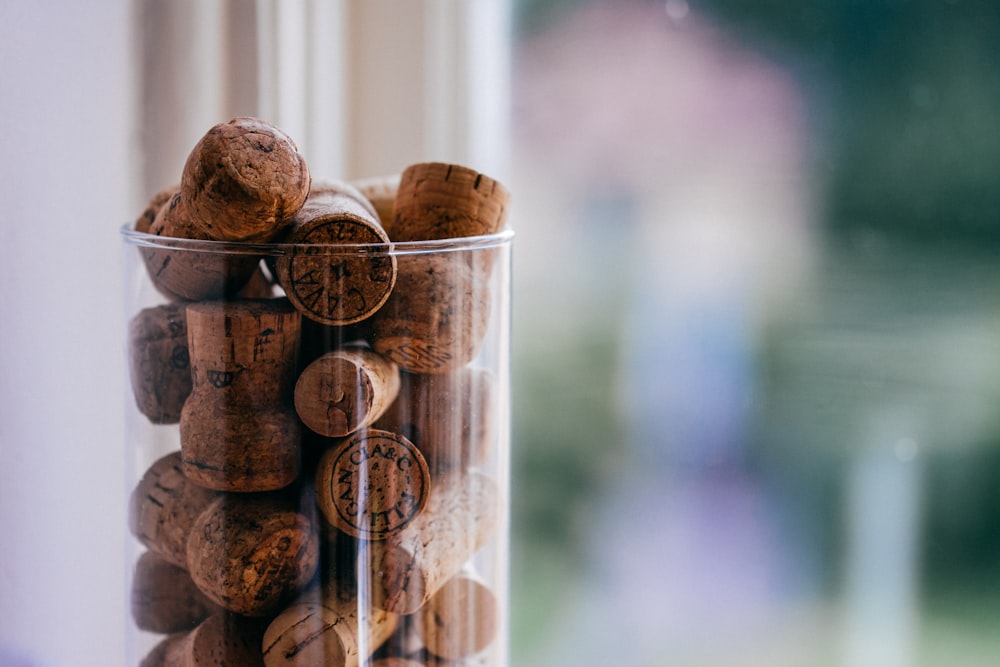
point(168, 652)
point(345, 390)
point(331, 286)
point(381, 192)
point(449, 416)
point(438, 200)
point(164, 599)
point(409, 567)
point(323, 628)
point(164, 506)
point(145, 219)
point(372, 485)
point(438, 315)
point(159, 366)
point(252, 553)
point(461, 619)
point(244, 180)
point(223, 640)
point(193, 274)
point(238, 428)
point(396, 662)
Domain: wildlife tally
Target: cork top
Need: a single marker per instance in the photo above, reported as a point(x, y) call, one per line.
point(244, 180)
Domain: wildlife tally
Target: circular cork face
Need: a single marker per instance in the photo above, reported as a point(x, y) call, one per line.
point(373, 484)
point(340, 288)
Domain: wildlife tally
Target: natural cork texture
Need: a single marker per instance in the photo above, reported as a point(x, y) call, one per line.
point(381, 192)
point(330, 285)
point(437, 200)
point(252, 553)
point(239, 430)
point(437, 317)
point(244, 180)
point(159, 367)
point(323, 628)
point(156, 202)
point(449, 417)
point(345, 390)
point(410, 566)
point(164, 506)
point(221, 640)
point(164, 599)
point(372, 485)
point(461, 619)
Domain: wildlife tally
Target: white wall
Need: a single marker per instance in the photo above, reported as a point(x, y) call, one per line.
point(65, 162)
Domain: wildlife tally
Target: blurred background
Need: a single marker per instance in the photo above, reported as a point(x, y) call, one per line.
point(756, 311)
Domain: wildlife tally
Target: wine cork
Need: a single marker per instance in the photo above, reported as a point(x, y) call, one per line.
point(396, 662)
point(449, 417)
point(330, 285)
point(238, 428)
point(436, 318)
point(168, 652)
point(437, 200)
point(461, 619)
point(192, 274)
point(244, 180)
point(252, 553)
point(381, 192)
point(372, 485)
point(159, 367)
point(164, 599)
point(408, 567)
point(223, 640)
point(323, 628)
point(345, 390)
point(164, 506)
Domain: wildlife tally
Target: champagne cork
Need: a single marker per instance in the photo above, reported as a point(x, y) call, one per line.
point(437, 200)
point(244, 180)
point(164, 506)
point(238, 428)
point(449, 417)
point(164, 599)
point(193, 275)
point(381, 192)
point(329, 285)
point(252, 553)
point(372, 485)
point(223, 640)
point(409, 567)
point(345, 390)
point(156, 202)
point(436, 318)
point(159, 367)
point(461, 619)
point(323, 628)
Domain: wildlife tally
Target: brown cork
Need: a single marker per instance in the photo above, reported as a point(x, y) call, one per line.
point(437, 317)
point(252, 553)
point(244, 180)
point(168, 652)
point(449, 416)
point(224, 640)
point(437, 200)
point(345, 390)
point(330, 186)
point(381, 192)
point(156, 202)
point(330, 285)
point(238, 428)
point(192, 274)
point(164, 599)
point(164, 506)
point(410, 566)
point(396, 662)
point(461, 619)
point(159, 367)
point(372, 485)
point(322, 627)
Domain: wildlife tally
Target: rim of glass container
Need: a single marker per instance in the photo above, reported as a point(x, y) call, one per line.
point(465, 243)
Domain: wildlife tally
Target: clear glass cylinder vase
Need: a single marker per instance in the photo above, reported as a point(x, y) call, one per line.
point(318, 440)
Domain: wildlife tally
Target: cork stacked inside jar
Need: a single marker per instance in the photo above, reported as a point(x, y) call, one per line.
point(317, 347)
